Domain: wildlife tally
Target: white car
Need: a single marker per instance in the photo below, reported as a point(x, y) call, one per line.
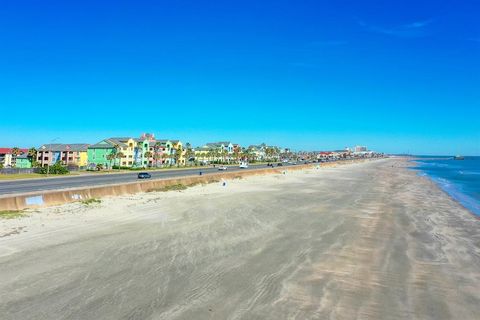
point(222, 168)
point(243, 165)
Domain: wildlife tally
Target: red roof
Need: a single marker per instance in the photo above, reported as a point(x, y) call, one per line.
point(9, 150)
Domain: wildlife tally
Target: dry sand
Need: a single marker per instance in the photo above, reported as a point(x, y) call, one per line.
point(360, 241)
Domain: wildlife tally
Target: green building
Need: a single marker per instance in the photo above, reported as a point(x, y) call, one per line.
point(23, 161)
point(98, 153)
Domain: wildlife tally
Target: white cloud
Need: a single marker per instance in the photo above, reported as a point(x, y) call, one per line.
point(414, 29)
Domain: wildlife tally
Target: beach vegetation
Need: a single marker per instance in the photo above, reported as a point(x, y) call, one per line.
point(173, 187)
point(91, 201)
point(12, 214)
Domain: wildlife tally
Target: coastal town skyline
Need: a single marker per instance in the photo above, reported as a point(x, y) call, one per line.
point(149, 151)
point(326, 143)
point(312, 75)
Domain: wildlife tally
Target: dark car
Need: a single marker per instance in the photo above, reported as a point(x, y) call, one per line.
point(144, 175)
point(279, 164)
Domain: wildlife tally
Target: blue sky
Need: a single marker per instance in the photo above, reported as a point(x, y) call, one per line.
point(402, 76)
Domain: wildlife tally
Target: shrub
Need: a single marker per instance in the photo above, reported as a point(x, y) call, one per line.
point(57, 168)
point(91, 201)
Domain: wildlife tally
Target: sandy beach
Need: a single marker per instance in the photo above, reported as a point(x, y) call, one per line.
point(368, 240)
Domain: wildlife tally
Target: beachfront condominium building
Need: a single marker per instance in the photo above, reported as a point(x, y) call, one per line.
point(145, 151)
point(103, 153)
point(67, 154)
point(202, 154)
point(178, 152)
point(257, 152)
point(215, 151)
point(143, 155)
point(222, 146)
point(165, 152)
point(119, 151)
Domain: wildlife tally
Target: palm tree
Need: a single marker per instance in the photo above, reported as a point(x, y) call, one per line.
point(178, 154)
point(148, 155)
point(236, 154)
point(156, 155)
point(32, 154)
point(15, 152)
point(119, 155)
point(217, 153)
point(188, 152)
point(246, 154)
point(224, 153)
point(164, 157)
point(110, 157)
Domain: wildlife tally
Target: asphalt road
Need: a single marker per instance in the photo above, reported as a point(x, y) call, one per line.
point(57, 183)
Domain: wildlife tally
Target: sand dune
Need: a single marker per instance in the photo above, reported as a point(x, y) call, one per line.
point(361, 241)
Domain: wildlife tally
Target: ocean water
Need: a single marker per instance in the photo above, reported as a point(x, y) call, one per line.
point(459, 178)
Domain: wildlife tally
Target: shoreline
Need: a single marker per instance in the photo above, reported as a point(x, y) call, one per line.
point(455, 196)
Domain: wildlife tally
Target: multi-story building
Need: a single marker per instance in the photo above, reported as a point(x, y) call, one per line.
point(164, 151)
point(360, 149)
point(178, 152)
point(9, 156)
point(167, 152)
point(215, 151)
point(67, 154)
point(257, 152)
point(119, 151)
point(222, 146)
point(103, 153)
point(23, 161)
point(202, 154)
point(145, 151)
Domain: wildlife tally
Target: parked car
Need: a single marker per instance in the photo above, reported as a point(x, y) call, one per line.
point(144, 175)
point(222, 168)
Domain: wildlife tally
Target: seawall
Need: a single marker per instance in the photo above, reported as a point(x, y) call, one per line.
point(57, 197)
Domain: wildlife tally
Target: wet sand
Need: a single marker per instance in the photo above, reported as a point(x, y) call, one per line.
point(360, 241)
